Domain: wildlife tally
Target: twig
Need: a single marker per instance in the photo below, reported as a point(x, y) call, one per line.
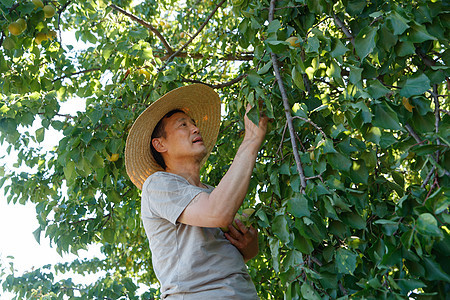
point(226, 57)
point(445, 111)
point(77, 73)
point(315, 260)
point(59, 115)
point(145, 24)
point(314, 177)
point(344, 29)
point(193, 36)
point(14, 7)
point(416, 137)
point(284, 7)
point(343, 290)
point(312, 123)
point(280, 148)
point(315, 25)
point(425, 182)
point(217, 86)
point(284, 97)
point(63, 8)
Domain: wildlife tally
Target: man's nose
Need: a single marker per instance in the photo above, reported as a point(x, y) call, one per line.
point(195, 129)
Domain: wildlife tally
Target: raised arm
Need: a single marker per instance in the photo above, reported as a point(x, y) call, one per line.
point(219, 208)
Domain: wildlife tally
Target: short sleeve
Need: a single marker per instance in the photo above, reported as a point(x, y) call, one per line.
point(167, 195)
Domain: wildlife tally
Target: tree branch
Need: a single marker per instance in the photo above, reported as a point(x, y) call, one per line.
point(425, 182)
point(287, 109)
point(145, 24)
point(60, 11)
point(216, 86)
point(76, 73)
point(416, 137)
point(192, 37)
point(312, 123)
point(228, 57)
point(341, 25)
point(284, 7)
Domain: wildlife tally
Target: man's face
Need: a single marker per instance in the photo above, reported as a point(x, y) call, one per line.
point(182, 138)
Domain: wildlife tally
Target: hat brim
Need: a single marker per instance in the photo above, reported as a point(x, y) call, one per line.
point(198, 101)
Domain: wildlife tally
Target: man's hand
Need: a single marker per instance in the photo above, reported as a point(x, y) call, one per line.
point(245, 239)
point(252, 132)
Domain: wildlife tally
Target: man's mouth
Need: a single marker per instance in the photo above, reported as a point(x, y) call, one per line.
point(197, 139)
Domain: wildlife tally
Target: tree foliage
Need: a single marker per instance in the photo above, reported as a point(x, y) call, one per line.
point(351, 187)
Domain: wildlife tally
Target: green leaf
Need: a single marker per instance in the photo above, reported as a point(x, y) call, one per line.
point(434, 270)
point(69, 171)
point(353, 219)
point(419, 34)
point(303, 244)
point(355, 74)
point(40, 134)
point(277, 47)
point(280, 228)
point(308, 292)
point(407, 238)
point(338, 49)
point(274, 26)
point(416, 85)
point(298, 206)
point(253, 115)
point(427, 225)
point(339, 161)
point(297, 77)
point(253, 78)
point(359, 173)
point(405, 49)
point(109, 235)
point(345, 261)
point(37, 235)
point(376, 89)
point(385, 117)
point(397, 23)
point(408, 285)
point(312, 45)
point(365, 41)
point(427, 149)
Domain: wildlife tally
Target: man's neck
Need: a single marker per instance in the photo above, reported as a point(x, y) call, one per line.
point(191, 172)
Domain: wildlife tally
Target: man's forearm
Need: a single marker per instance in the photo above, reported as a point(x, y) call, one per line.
point(229, 194)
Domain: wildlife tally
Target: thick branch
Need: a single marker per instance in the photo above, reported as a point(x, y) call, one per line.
point(145, 24)
point(193, 36)
point(216, 86)
point(344, 29)
point(287, 109)
point(76, 73)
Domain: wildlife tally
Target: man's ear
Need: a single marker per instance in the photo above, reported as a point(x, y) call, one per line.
point(158, 145)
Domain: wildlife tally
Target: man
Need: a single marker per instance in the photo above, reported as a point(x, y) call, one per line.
point(166, 147)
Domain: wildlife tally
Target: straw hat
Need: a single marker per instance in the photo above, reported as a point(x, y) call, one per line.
point(198, 101)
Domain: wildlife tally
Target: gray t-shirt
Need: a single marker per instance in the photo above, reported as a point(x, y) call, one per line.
point(190, 262)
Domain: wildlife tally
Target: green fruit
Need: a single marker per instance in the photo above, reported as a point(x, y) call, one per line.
point(15, 28)
point(293, 41)
point(22, 23)
point(49, 11)
point(38, 3)
point(40, 37)
point(8, 43)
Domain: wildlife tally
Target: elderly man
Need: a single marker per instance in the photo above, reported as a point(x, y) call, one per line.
point(165, 150)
